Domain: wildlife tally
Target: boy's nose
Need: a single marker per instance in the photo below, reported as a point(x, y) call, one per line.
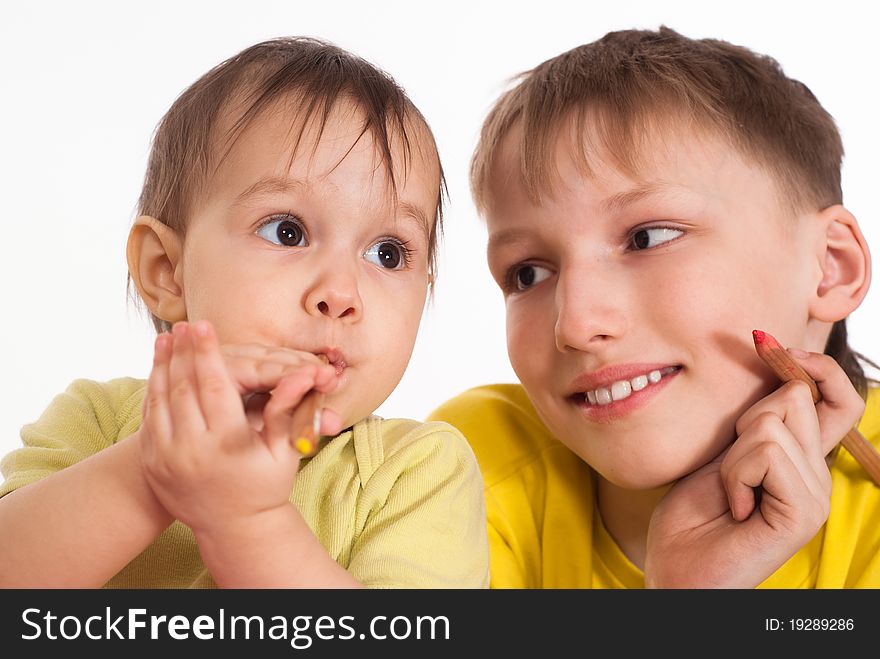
point(587, 315)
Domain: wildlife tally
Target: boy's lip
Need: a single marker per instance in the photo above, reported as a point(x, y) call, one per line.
point(619, 409)
point(605, 377)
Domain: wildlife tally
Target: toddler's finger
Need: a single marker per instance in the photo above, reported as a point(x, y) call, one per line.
point(841, 406)
point(186, 413)
point(257, 368)
point(285, 414)
point(218, 397)
point(156, 413)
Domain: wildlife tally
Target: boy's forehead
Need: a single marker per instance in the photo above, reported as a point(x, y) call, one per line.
point(664, 156)
point(679, 175)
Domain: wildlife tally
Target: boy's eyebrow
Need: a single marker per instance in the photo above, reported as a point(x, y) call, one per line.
point(621, 200)
point(271, 185)
point(502, 238)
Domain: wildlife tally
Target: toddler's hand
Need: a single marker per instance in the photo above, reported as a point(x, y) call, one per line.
point(735, 521)
point(207, 465)
point(256, 369)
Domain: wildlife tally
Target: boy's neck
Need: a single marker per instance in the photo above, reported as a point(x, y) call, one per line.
point(626, 515)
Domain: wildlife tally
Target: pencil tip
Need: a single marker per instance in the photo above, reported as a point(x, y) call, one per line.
point(758, 336)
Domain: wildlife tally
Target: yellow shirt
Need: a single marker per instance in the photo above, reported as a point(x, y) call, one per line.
point(396, 502)
point(545, 530)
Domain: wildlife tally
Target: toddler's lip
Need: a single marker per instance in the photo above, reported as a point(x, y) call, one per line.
point(335, 358)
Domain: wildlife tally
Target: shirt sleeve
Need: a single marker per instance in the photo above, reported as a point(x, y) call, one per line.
point(427, 522)
point(88, 417)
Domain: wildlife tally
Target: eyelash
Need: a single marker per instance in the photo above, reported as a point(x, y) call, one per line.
point(287, 215)
point(632, 234)
point(510, 281)
point(404, 245)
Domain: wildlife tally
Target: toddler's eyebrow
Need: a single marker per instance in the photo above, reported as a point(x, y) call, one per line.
point(413, 212)
point(271, 185)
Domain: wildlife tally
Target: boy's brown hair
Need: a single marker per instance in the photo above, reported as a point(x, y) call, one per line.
point(630, 80)
point(187, 148)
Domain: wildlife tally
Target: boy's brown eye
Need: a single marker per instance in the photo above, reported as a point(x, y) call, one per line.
point(285, 232)
point(653, 236)
point(526, 276)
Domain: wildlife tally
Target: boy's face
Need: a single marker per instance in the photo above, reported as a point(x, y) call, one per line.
point(615, 277)
point(308, 251)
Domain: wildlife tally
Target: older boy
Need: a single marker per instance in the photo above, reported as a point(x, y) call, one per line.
point(651, 199)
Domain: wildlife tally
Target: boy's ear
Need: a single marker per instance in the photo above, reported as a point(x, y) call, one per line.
point(845, 263)
point(154, 251)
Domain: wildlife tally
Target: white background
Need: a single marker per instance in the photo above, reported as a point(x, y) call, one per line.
point(83, 85)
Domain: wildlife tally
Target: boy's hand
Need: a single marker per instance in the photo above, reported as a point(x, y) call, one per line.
point(205, 462)
point(711, 530)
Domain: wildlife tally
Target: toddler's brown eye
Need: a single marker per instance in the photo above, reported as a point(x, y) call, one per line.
point(289, 233)
point(387, 254)
point(283, 231)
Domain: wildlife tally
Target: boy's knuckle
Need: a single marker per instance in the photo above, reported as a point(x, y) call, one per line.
point(770, 451)
point(799, 392)
point(766, 423)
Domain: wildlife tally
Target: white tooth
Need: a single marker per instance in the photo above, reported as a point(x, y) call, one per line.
point(591, 397)
point(639, 382)
point(621, 390)
point(603, 396)
point(654, 377)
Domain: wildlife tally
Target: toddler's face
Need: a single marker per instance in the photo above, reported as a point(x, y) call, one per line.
point(309, 251)
point(622, 280)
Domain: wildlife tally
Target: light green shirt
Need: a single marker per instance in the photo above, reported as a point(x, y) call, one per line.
point(396, 502)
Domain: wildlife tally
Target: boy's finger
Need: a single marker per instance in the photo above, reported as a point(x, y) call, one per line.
point(219, 400)
point(793, 404)
point(841, 406)
point(186, 413)
point(767, 466)
point(766, 429)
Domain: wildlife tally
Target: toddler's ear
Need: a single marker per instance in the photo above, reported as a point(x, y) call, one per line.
point(845, 263)
point(154, 251)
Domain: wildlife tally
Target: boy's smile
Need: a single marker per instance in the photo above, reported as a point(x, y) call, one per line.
point(615, 391)
point(308, 251)
point(631, 298)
